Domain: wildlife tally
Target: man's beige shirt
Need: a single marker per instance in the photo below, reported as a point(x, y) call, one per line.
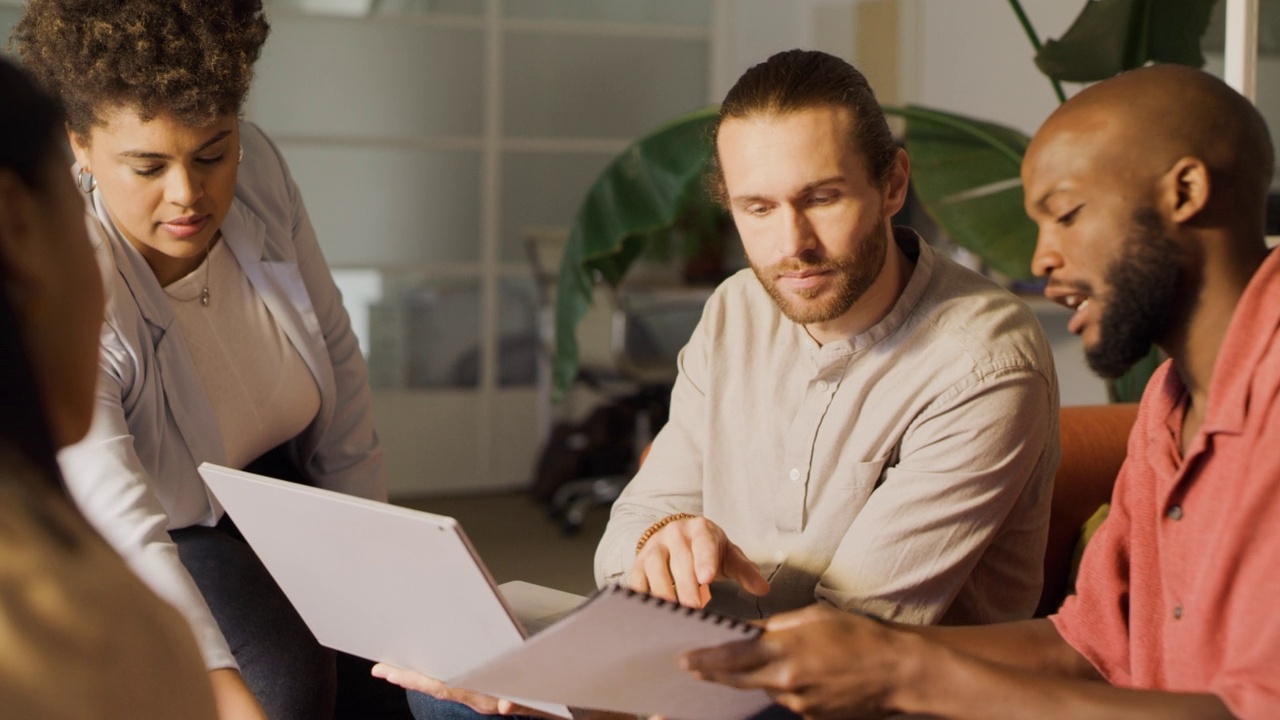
point(906, 471)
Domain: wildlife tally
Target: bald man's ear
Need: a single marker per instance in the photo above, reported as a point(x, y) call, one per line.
point(1186, 189)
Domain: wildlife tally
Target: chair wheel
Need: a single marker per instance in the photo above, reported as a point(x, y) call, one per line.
point(575, 514)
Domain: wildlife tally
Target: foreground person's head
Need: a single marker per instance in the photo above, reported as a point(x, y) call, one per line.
point(51, 305)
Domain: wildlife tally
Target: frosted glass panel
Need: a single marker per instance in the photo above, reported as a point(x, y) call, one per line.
point(9, 17)
point(362, 289)
point(431, 7)
point(326, 76)
point(518, 343)
point(388, 206)
point(359, 8)
point(599, 87)
point(425, 333)
point(543, 190)
point(680, 13)
point(442, 334)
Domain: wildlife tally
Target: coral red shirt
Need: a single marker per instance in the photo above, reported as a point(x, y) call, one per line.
point(1180, 588)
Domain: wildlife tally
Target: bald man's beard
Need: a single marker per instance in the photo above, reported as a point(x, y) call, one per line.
point(1144, 284)
point(855, 273)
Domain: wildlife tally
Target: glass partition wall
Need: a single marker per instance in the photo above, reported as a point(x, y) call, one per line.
point(430, 139)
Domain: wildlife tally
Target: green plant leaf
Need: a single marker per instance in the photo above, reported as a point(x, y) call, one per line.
point(966, 174)
point(652, 188)
point(1111, 36)
point(1176, 30)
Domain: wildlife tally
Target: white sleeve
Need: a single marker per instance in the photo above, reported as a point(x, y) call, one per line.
point(107, 481)
point(670, 481)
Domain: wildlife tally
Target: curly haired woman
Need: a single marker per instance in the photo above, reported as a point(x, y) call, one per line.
point(224, 340)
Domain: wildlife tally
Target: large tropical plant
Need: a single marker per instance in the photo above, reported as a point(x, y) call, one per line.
point(648, 193)
point(965, 170)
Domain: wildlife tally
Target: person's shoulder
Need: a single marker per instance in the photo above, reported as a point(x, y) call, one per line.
point(124, 329)
point(119, 296)
point(742, 290)
point(259, 148)
point(266, 202)
point(993, 326)
point(738, 301)
point(954, 282)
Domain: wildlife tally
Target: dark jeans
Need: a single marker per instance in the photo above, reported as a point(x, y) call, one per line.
point(290, 673)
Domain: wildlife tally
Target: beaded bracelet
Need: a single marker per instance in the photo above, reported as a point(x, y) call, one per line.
point(659, 525)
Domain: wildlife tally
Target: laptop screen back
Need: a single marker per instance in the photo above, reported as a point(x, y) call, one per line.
point(375, 580)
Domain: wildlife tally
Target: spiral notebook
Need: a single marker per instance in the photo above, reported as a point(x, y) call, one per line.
point(620, 652)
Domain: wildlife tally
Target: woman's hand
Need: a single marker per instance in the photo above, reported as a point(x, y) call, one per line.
point(481, 703)
point(232, 696)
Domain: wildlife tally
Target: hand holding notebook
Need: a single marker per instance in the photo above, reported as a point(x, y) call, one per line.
point(620, 651)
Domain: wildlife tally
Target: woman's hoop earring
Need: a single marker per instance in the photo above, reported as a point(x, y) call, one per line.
point(240, 159)
point(90, 185)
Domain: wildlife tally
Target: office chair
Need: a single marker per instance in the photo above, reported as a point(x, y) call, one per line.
point(628, 347)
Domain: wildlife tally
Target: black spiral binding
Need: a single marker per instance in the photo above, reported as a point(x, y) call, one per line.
point(745, 628)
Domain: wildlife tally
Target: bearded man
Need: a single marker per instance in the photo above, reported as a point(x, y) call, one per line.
point(1149, 190)
point(857, 419)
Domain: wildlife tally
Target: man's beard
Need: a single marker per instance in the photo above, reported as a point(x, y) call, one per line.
point(1143, 286)
point(855, 273)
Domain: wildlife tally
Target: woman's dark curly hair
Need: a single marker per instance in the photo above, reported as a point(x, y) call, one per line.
point(192, 59)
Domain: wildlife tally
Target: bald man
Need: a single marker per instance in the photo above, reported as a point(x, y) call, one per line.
point(1149, 193)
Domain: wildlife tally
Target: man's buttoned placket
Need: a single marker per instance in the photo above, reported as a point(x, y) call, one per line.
point(828, 364)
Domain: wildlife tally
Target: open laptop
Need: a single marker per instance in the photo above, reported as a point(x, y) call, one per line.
point(383, 582)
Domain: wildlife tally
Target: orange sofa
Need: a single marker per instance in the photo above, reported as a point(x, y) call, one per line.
point(1094, 441)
